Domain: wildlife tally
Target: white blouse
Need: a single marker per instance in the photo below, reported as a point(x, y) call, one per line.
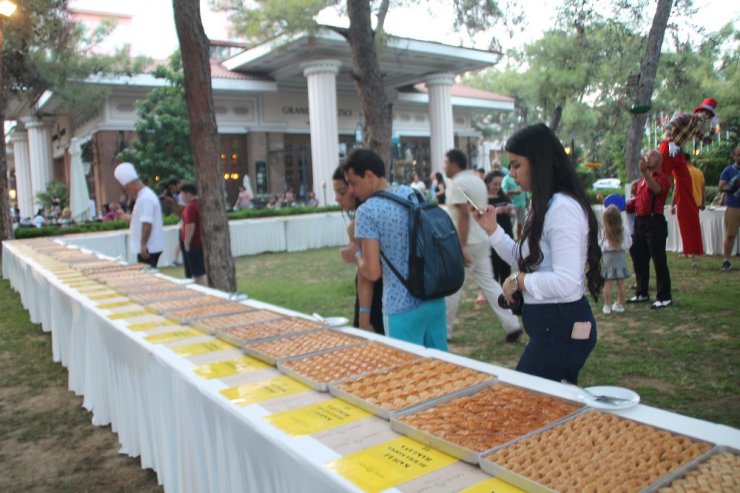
point(561, 277)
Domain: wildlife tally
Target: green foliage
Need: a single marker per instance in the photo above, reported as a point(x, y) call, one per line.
point(162, 144)
point(714, 159)
point(54, 189)
point(44, 49)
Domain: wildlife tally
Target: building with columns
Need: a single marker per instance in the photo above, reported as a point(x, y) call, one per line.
point(287, 113)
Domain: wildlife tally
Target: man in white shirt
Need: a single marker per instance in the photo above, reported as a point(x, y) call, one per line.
point(474, 241)
point(146, 231)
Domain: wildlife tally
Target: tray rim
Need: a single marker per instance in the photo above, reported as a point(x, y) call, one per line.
point(679, 473)
point(197, 321)
point(381, 412)
point(324, 386)
point(272, 360)
point(462, 453)
point(528, 484)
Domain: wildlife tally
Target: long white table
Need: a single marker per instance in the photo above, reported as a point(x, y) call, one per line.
point(248, 236)
point(197, 440)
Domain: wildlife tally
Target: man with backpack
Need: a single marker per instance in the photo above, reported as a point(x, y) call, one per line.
point(382, 227)
point(466, 185)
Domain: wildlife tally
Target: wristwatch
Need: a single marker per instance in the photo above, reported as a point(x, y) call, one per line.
point(515, 278)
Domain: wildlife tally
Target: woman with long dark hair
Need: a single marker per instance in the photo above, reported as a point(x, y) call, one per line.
point(368, 313)
point(558, 257)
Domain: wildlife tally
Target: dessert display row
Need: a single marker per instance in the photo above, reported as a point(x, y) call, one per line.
point(532, 440)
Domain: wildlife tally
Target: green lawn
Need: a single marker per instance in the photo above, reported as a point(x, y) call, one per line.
point(684, 358)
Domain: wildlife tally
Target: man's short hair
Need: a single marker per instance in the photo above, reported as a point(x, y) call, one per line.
point(362, 160)
point(458, 157)
point(189, 188)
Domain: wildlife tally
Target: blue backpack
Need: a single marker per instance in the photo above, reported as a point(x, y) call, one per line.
point(436, 265)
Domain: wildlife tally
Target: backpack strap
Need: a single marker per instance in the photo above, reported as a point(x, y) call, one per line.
point(407, 203)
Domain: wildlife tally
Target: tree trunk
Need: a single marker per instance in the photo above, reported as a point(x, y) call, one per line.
point(369, 80)
point(6, 227)
point(556, 116)
point(646, 84)
point(214, 226)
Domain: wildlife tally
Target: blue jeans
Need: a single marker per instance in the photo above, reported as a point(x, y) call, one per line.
point(551, 352)
point(425, 325)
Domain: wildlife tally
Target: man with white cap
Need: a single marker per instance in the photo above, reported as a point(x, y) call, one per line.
point(146, 231)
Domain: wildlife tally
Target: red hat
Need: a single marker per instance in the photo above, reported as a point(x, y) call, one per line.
point(709, 105)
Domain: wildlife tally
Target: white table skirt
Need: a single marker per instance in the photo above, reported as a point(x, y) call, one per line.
point(248, 236)
point(183, 428)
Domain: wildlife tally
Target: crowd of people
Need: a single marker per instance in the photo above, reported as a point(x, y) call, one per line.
point(528, 237)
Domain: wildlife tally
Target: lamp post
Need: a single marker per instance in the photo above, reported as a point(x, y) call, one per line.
point(6, 229)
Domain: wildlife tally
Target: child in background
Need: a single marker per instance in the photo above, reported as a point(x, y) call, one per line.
point(615, 243)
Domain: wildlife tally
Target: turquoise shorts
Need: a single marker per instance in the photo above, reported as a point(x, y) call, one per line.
point(425, 325)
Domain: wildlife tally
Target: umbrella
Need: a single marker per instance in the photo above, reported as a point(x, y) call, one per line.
point(79, 197)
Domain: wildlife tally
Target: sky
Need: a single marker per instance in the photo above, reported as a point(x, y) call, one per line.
point(155, 31)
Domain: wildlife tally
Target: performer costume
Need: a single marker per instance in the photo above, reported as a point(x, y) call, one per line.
point(679, 130)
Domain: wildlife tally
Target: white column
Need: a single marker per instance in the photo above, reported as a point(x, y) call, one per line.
point(440, 118)
point(39, 144)
point(24, 191)
point(322, 108)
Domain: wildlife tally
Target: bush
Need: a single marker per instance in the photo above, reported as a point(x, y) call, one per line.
point(25, 233)
point(714, 159)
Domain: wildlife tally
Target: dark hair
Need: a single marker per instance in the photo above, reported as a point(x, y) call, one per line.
point(551, 171)
point(438, 176)
point(491, 175)
point(338, 175)
point(189, 188)
point(362, 160)
point(458, 157)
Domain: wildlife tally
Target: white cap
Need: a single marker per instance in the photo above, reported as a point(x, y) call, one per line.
point(125, 173)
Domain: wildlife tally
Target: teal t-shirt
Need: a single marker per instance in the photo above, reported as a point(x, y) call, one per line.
point(519, 200)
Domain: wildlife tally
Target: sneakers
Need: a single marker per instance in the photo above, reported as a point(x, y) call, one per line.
point(606, 310)
point(638, 299)
point(661, 304)
point(726, 266)
point(617, 308)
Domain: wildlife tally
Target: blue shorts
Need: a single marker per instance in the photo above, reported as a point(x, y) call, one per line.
point(425, 325)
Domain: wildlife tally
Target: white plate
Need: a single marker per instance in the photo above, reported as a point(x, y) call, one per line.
point(336, 321)
point(633, 398)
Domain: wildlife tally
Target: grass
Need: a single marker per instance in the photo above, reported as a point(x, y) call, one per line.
point(683, 359)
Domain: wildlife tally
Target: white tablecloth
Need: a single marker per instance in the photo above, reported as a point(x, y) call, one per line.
point(248, 236)
point(183, 428)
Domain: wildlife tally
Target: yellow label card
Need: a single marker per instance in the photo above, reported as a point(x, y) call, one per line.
point(317, 417)
point(82, 284)
point(388, 464)
point(131, 314)
point(152, 325)
point(173, 336)
point(238, 366)
point(492, 485)
point(115, 304)
point(252, 393)
point(95, 289)
point(202, 347)
point(106, 296)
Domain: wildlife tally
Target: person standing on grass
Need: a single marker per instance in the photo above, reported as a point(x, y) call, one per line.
point(729, 183)
point(465, 183)
point(651, 231)
point(381, 224)
point(698, 193)
point(191, 240)
point(146, 230)
point(368, 294)
point(558, 257)
point(615, 243)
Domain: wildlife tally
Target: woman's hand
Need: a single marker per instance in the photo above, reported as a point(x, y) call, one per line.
point(348, 253)
point(509, 288)
point(486, 218)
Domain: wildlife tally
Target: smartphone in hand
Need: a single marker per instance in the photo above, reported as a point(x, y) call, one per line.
point(475, 207)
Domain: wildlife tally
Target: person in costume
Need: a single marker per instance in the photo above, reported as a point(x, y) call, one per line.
point(679, 131)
